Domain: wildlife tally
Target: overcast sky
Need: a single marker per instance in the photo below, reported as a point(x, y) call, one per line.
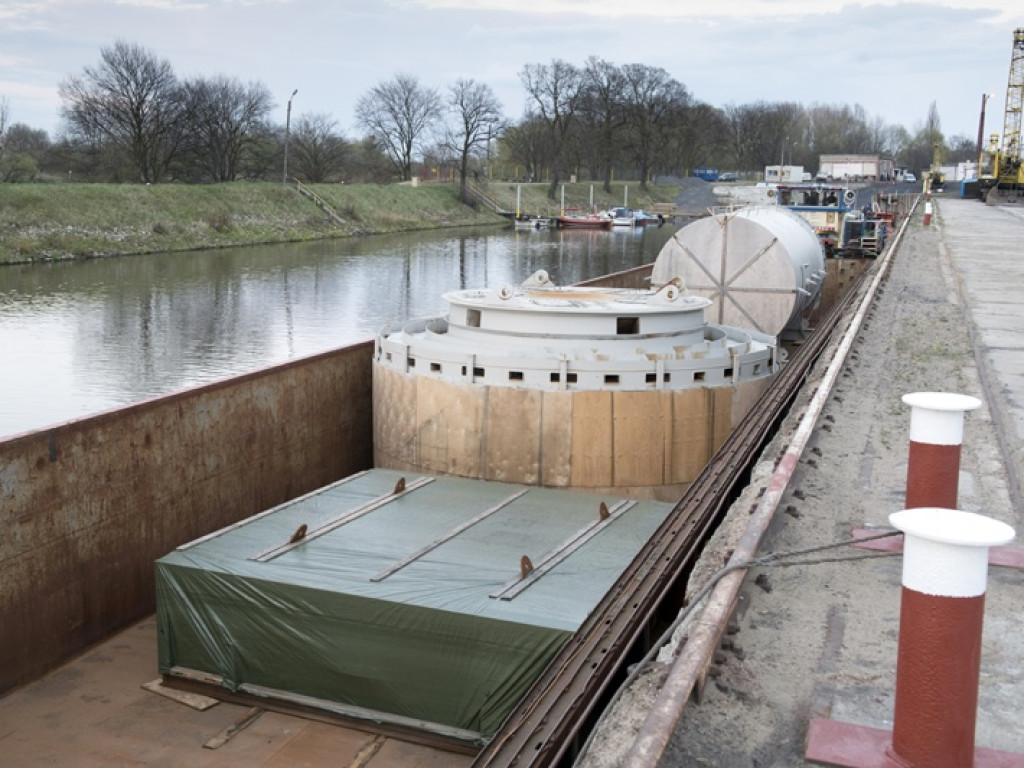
point(892, 58)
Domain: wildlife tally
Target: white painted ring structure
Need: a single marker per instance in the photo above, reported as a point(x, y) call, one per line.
point(937, 418)
point(945, 551)
point(546, 337)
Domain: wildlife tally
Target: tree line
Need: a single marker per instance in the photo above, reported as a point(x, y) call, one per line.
point(129, 118)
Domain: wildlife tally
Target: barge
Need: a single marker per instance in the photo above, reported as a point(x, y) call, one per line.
point(91, 504)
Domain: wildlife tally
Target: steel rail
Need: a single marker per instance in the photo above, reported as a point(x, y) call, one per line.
point(543, 726)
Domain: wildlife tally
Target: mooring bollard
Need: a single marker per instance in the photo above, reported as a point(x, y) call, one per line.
point(938, 660)
point(936, 439)
point(945, 571)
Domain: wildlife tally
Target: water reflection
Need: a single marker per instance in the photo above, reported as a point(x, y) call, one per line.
point(81, 337)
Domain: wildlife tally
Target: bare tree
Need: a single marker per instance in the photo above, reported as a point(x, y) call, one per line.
point(477, 115)
point(556, 90)
point(653, 97)
point(320, 149)
point(526, 144)
point(132, 100)
point(963, 148)
point(920, 149)
point(398, 113)
point(698, 135)
point(764, 133)
point(227, 119)
point(603, 113)
point(25, 151)
point(5, 111)
point(369, 163)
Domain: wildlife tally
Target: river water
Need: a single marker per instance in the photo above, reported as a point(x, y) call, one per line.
point(77, 338)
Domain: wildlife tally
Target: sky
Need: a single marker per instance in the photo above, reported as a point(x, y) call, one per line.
point(892, 58)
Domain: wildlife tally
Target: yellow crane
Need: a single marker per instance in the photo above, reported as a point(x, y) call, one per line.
point(1000, 168)
point(936, 180)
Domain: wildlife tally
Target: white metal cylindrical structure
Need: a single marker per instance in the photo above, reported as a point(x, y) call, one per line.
point(584, 387)
point(761, 266)
point(936, 438)
point(945, 571)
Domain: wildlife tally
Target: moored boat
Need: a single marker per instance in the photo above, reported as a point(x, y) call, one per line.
point(622, 217)
point(532, 222)
point(629, 217)
point(643, 218)
point(584, 221)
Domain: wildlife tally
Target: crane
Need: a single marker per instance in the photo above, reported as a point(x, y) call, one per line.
point(936, 179)
point(1000, 168)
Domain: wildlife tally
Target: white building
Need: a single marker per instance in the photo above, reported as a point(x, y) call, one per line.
point(855, 167)
point(785, 174)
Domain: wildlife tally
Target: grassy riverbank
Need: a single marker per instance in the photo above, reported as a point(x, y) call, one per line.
point(43, 222)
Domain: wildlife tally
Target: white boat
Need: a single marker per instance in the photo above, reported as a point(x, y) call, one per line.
point(628, 217)
point(532, 222)
point(622, 217)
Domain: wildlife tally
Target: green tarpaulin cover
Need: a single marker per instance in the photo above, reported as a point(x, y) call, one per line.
point(410, 604)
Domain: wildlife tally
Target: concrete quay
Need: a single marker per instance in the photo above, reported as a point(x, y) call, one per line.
point(819, 640)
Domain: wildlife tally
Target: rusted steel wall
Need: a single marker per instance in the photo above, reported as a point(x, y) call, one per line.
point(87, 506)
point(841, 274)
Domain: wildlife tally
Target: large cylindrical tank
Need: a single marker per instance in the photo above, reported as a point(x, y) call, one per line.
point(607, 390)
point(761, 266)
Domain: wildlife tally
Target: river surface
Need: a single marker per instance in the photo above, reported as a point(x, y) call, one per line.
point(78, 338)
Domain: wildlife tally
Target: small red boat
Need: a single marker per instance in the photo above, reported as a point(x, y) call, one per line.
point(587, 221)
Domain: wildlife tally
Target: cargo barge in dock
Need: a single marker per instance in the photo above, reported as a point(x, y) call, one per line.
point(93, 503)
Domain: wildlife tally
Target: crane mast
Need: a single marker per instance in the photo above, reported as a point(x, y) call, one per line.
point(1000, 167)
point(1011, 164)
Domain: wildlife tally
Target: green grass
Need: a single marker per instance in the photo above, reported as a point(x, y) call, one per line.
point(41, 222)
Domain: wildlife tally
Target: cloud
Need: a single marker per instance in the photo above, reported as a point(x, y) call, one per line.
point(1000, 10)
point(164, 5)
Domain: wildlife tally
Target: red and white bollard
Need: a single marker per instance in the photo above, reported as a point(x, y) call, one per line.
point(938, 665)
point(927, 209)
point(936, 441)
point(945, 571)
point(933, 465)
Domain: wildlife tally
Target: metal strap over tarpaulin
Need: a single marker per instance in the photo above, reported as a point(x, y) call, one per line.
point(353, 514)
point(448, 536)
point(557, 555)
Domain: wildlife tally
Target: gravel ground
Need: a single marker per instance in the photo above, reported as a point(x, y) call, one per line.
point(696, 195)
point(820, 640)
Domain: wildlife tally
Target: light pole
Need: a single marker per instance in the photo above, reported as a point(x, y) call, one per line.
point(287, 128)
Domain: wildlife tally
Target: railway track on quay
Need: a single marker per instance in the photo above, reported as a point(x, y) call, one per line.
point(549, 725)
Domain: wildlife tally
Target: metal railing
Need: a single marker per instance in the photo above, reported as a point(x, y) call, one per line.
point(322, 204)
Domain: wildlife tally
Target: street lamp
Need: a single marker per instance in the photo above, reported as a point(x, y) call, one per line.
point(287, 128)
